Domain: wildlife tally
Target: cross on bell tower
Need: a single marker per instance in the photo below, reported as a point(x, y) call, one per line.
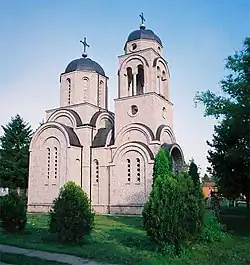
point(85, 45)
point(142, 26)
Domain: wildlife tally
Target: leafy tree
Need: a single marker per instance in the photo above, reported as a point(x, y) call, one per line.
point(193, 172)
point(230, 154)
point(205, 178)
point(14, 153)
point(71, 216)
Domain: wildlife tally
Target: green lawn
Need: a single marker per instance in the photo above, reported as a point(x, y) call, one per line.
point(235, 219)
point(17, 259)
point(121, 240)
point(239, 211)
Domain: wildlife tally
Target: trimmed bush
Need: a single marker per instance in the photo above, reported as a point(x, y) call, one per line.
point(71, 216)
point(163, 163)
point(175, 209)
point(171, 216)
point(13, 211)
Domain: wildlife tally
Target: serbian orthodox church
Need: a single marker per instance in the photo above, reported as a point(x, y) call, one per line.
point(109, 154)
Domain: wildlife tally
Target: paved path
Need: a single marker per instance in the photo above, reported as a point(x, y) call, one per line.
point(73, 260)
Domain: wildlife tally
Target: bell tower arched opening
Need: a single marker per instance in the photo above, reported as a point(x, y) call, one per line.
point(140, 80)
point(130, 81)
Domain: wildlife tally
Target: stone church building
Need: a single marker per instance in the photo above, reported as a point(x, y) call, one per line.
point(110, 155)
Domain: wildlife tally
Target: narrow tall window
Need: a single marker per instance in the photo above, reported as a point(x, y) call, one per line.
point(56, 162)
point(129, 170)
point(130, 81)
point(159, 80)
point(69, 91)
point(140, 80)
point(85, 88)
point(164, 85)
point(100, 93)
point(96, 163)
point(138, 166)
point(48, 162)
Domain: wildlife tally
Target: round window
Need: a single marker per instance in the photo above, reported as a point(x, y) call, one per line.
point(133, 110)
point(134, 46)
point(164, 113)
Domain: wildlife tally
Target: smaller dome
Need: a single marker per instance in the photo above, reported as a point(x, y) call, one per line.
point(143, 33)
point(84, 64)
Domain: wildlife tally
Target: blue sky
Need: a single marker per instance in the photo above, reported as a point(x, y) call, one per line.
point(39, 38)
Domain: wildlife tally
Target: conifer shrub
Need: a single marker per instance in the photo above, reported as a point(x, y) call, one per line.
point(71, 216)
point(172, 214)
point(213, 230)
point(13, 212)
point(162, 164)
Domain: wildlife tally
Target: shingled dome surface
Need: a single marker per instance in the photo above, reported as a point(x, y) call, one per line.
point(84, 64)
point(143, 34)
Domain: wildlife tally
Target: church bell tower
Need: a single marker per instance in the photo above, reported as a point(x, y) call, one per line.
point(143, 82)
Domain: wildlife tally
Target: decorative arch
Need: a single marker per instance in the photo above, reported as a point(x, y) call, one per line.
point(103, 121)
point(133, 75)
point(164, 129)
point(142, 60)
point(162, 61)
point(142, 128)
point(51, 146)
point(71, 115)
point(69, 134)
point(99, 115)
point(176, 153)
point(105, 117)
point(136, 146)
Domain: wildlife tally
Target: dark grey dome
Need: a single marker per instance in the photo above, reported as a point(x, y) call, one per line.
point(143, 33)
point(86, 64)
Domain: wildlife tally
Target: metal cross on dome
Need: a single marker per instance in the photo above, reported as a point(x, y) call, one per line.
point(142, 18)
point(85, 45)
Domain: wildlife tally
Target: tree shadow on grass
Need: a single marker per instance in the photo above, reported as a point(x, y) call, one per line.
point(130, 221)
point(131, 239)
point(236, 225)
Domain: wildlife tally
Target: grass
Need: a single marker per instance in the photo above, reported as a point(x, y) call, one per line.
point(238, 211)
point(235, 219)
point(17, 259)
point(121, 240)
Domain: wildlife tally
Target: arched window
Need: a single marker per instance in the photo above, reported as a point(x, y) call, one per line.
point(56, 162)
point(130, 81)
point(164, 76)
point(164, 85)
point(129, 170)
point(69, 90)
point(100, 93)
point(158, 79)
point(138, 166)
point(85, 88)
point(140, 80)
point(96, 165)
point(48, 163)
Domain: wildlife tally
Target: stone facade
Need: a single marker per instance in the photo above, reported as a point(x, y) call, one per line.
point(110, 155)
